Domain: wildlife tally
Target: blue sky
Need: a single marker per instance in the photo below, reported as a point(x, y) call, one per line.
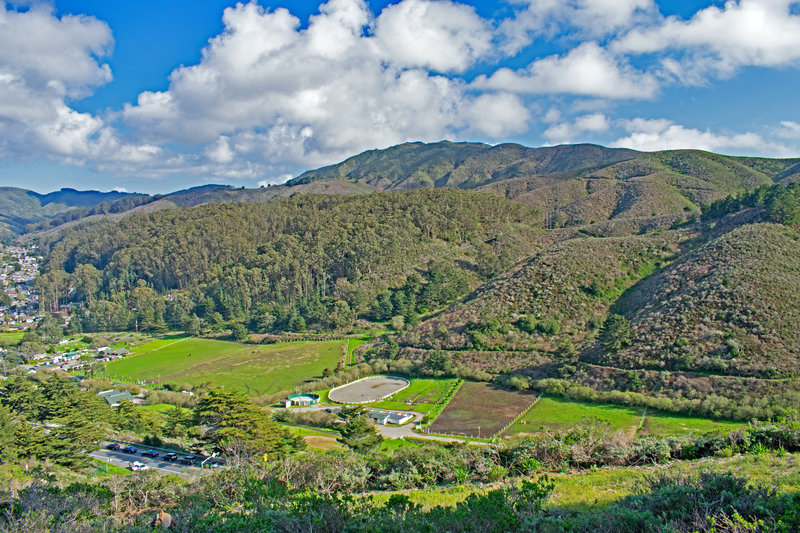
point(154, 96)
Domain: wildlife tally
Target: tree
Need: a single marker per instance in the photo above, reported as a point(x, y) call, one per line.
point(193, 326)
point(342, 316)
point(616, 333)
point(230, 423)
point(238, 332)
point(359, 434)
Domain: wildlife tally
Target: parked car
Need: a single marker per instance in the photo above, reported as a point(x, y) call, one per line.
point(150, 453)
point(129, 449)
point(136, 466)
point(170, 456)
point(113, 446)
point(187, 460)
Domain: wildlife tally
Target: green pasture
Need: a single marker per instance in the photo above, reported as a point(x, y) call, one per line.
point(256, 369)
point(10, 338)
point(419, 396)
point(558, 414)
point(659, 423)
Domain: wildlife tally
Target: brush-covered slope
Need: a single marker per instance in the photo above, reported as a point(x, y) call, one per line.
point(462, 165)
point(558, 297)
point(730, 306)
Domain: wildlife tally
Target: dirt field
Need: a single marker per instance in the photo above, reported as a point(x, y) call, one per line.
point(480, 408)
point(366, 390)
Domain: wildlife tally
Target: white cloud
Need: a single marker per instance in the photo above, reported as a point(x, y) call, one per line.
point(663, 134)
point(788, 130)
point(741, 33)
point(585, 18)
point(565, 132)
point(44, 62)
point(119, 189)
point(586, 70)
point(280, 94)
point(441, 35)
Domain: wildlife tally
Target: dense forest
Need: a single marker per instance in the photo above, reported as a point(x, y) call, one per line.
point(294, 257)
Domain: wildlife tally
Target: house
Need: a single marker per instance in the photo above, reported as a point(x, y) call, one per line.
point(113, 397)
point(387, 417)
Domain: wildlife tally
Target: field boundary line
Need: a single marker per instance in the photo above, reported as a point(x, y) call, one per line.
point(516, 418)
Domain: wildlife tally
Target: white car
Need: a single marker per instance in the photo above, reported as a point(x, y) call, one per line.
point(136, 466)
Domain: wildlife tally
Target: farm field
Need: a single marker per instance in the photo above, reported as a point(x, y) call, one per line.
point(256, 369)
point(659, 423)
point(420, 396)
point(480, 410)
point(558, 414)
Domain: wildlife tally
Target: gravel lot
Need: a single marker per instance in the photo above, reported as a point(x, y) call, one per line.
point(371, 389)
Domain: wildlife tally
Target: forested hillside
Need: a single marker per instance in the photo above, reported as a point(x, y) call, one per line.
point(285, 257)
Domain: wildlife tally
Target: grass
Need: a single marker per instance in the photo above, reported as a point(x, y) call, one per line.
point(480, 410)
point(256, 369)
point(672, 424)
point(10, 338)
point(391, 445)
point(162, 408)
point(419, 396)
point(315, 439)
point(103, 469)
point(558, 414)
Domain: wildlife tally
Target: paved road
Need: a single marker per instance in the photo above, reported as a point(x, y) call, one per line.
point(124, 459)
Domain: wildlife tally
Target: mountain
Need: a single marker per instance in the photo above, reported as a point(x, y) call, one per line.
point(20, 207)
point(462, 165)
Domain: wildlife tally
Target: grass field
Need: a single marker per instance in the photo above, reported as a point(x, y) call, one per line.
point(658, 423)
point(419, 396)
point(480, 410)
point(256, 369)
point(558, 414)
point(10, 338)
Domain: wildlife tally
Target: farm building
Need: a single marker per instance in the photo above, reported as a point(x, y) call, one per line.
point(388, 417)
point(113, 397)
point(301, 399)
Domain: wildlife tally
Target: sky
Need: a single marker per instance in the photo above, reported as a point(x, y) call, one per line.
point(154, 96)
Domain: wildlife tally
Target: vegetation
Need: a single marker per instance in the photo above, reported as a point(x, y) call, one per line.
point(256, 369)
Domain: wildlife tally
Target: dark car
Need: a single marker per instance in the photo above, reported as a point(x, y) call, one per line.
point(170, 456)
point(150, 453)
point(129, 449)
point(113, 446)
point(188, 460)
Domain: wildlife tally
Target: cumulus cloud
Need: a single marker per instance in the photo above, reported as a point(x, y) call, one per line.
point(281, 93)
point(663, 134)
point(441, 36)
point(565, 132)
point(588, 70)
point(741, 33)
point(44, 62)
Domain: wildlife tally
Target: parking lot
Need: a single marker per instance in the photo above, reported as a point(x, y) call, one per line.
point(120, 458)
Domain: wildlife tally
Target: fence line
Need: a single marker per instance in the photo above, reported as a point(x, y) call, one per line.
point(516, 418)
